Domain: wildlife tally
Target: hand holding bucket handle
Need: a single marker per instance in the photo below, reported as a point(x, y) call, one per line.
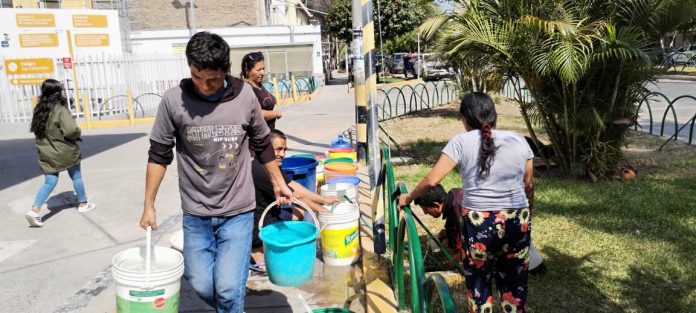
point(299, 203)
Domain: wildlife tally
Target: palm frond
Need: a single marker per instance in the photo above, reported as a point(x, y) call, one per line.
point(432, 26)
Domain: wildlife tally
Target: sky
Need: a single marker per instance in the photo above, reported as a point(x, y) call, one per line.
point(444, 5)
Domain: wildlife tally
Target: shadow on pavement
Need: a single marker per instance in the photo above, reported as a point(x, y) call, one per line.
point(256, 301)
point(306, 143)
point(18, 158)
point(338, 81)
point(60, 202)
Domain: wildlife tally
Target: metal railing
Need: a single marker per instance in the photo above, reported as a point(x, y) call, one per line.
point(99, 83)
point(403, 237)
point(677, 127)
point(406, 99)
point(645, 120)
point(674, 60)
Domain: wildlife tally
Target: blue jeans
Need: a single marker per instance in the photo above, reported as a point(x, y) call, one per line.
point(216, 258)
point(51, 180)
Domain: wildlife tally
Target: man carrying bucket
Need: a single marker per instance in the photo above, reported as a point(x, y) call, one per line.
point(213, 119)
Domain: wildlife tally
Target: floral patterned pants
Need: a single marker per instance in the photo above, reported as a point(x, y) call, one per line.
point(496, 245)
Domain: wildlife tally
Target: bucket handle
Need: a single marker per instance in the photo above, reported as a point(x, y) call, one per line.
point(294, 201)
point(148, 247)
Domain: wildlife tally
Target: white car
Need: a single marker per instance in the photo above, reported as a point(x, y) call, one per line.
point(435, 70)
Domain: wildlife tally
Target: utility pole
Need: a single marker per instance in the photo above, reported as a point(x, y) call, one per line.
point(192, 18)
point(365, 87)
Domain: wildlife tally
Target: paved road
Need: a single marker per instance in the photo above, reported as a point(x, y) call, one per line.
point(63, 267)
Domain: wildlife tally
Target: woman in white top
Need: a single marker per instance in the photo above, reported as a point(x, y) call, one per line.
point(495, 219)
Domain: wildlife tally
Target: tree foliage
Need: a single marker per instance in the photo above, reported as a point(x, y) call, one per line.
point(585, 63)
point(398, 17)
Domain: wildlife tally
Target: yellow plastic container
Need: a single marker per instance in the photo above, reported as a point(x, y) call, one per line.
point(352, 155)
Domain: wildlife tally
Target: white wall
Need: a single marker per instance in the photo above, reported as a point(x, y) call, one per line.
point(63, 22)
point(174, 41)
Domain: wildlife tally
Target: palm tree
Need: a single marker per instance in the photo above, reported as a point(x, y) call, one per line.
point(585, 63)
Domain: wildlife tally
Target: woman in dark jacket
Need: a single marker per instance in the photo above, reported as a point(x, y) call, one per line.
point(56, 142)
point(253, 71)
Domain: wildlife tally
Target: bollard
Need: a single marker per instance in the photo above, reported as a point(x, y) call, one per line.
point(129, 95)
point(275, 88)
point(88, 110)
point(294, 88)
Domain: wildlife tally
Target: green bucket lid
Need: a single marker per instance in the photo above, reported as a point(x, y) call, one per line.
point(305, 155)
point(339, 160)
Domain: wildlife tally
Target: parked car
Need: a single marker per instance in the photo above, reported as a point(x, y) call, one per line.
point(434, 67)
point(682, 55)
point(397, 63)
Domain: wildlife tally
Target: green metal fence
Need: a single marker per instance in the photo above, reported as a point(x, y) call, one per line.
point(424, 288)
point(515, 89)
point(670, 110)
point(406, 99)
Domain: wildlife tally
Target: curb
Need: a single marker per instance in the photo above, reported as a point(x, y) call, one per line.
point(676, 77)
point(406, 82)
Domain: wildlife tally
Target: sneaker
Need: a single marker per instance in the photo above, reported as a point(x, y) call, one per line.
point(89, 206)
point(34, 219)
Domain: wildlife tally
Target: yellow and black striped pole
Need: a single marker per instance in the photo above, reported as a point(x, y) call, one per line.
point(365, 86)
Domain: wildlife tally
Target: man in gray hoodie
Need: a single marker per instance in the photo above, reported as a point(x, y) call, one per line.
point(213, 120)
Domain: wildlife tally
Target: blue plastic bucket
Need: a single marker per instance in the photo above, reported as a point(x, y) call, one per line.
point(302, 170)
point(289, 249)
point(355, 180)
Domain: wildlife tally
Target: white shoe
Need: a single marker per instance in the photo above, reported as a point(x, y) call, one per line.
point(34, 219)
point(89, 206)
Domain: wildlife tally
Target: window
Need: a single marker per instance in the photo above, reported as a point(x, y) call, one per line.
point(49, 4)
point(5, 3)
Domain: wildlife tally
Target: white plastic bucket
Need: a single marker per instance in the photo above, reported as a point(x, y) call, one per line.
point(339, 190)
point(138, 292)
point(340, 234)
point(534, 257)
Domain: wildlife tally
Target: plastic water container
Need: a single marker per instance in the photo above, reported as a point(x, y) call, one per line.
point(333, 170)
point(302, 170)
point(354, 180)
point(339, 235)
point(338, 160)
point(343, 153)
point(136, 291)
point(290, 248)
point(340, 142)
point(339, 190)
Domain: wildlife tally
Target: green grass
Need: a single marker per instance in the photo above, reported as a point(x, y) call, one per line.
point(612, 246)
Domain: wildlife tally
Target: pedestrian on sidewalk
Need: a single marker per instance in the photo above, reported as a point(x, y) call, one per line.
point(264, 197)
point(214, 120)
point(496, 171)
point(253, 72)
point(56, 136)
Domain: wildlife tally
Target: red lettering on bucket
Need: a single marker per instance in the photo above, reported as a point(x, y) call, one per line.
point(159, 303)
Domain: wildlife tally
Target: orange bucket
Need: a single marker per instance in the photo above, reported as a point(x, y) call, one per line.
point(333, 170)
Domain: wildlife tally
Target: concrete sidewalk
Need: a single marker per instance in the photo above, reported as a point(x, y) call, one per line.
point(65, 266)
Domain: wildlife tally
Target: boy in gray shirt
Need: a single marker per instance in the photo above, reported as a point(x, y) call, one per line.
point(213, 119)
